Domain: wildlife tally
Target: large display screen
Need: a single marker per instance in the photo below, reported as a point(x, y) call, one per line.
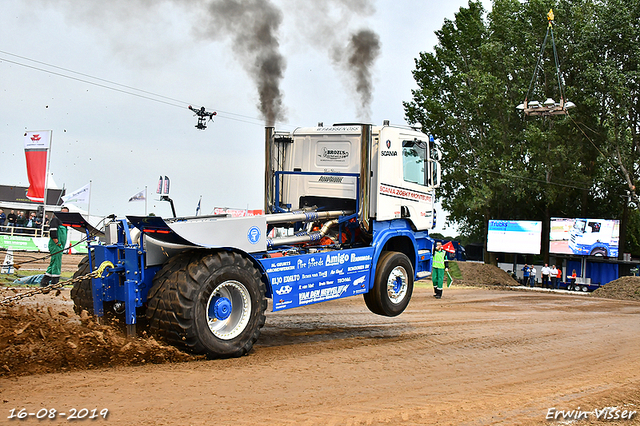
point(514, 236)
point(584, 237)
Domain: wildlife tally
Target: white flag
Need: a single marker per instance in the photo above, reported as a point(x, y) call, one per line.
point(140, 196)
point(78, 196)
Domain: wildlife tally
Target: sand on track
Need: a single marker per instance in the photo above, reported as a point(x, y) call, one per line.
point(478, 356)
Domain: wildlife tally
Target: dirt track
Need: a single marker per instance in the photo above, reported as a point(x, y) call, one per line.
point(476, 357)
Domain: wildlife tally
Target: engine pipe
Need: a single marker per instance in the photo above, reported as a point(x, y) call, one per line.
point(302, 238)
point(304, 216)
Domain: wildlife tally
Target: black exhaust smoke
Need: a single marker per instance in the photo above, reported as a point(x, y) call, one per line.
point(253, 26)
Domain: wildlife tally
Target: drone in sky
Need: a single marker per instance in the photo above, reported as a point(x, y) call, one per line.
point(202, 115)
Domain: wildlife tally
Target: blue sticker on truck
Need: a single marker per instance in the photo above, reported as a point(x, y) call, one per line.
point(318, 277)
point(253, 235)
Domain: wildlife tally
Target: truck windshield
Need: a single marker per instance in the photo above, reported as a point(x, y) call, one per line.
point(414, 154)
point(580, 225)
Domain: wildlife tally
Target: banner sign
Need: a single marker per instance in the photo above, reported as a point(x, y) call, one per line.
point(312, 278)
point(514, 236)
point(78, 196)
point(13, 242)
point(36, 148)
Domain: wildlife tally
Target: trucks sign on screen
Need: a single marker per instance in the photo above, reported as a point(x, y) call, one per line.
point(514, 236)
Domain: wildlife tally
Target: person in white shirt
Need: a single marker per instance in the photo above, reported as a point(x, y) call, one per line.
point(545, 275)
point(554, 276)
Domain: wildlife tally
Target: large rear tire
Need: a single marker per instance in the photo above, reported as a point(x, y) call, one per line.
point(393, 285)
point(81, 293)
point(209, 303)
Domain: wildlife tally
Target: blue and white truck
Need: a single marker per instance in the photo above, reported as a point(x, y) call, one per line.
point(595, 237)
point(347, 208)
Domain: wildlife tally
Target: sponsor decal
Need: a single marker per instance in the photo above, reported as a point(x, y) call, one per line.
point(336, 259)
point(337, 271)
point(280, 267)
point(284, 290)
point(285, 279)
point(334, 154)
point(253, 235)
point(320, 295)
point(331, 179)
point(355, 258)
point(405, 194)
point(357, 268)
point(313, 262)
point(344, 280)
point(359, 281)
point(283, 303)
point(339, 129)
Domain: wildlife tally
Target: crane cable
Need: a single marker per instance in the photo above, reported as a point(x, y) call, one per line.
point(550, 18)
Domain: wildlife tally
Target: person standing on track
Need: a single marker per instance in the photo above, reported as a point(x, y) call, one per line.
point(57, 241)
point(545, 271)
point(440, 266)
point(525, 275)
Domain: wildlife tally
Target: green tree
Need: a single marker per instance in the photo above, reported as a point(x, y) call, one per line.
point(501, 165)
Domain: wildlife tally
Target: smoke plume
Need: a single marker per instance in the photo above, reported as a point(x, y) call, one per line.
point(253, 26)
point(325, 25)
point(361, 52)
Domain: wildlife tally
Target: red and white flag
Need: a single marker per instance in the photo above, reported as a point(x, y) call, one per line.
point(449, 248)
point(36, 150)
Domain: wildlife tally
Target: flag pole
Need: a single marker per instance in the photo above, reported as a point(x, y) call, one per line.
point(46, 179)
point(145, 200)
point(89, 202)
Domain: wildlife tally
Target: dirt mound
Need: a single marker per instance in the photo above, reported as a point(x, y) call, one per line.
point(48, 339)
point(625, 288)
point(480, 274)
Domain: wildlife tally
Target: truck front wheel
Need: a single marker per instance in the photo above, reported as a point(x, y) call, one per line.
point(209, 303)
point(599, 251)
point(393, 285)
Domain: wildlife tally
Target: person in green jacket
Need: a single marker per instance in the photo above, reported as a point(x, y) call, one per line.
point(439, 266)
point(57, 241)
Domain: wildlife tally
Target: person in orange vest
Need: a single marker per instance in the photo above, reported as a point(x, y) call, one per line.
point(559, 277)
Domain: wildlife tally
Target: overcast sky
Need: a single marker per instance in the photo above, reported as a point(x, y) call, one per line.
point(179, 54)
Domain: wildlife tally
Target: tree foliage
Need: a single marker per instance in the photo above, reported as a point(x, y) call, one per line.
point(499, 164)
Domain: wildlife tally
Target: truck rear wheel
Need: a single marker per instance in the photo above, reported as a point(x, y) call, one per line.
point(209, 303)
point(393, 285)
point(81, 293)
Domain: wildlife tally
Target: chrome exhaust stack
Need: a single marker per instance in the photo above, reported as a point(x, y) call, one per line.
point(365, 177)
point(269, 201)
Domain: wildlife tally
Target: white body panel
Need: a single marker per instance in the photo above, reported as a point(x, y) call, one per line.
point(245, 233)
point(402, 172)
point(403, 178)
point(322, 150)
